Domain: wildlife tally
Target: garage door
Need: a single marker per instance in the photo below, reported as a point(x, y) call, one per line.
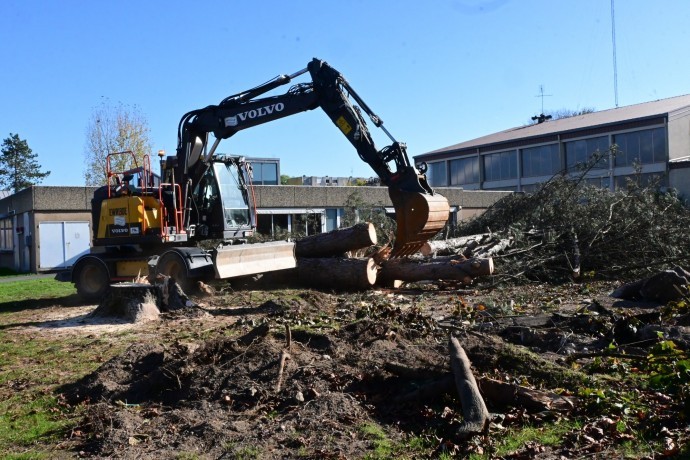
point(61, 243)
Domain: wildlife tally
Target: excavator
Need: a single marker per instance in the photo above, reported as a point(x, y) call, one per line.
point(164, 224)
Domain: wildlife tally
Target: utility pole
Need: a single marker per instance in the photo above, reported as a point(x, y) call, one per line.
point(613, 40)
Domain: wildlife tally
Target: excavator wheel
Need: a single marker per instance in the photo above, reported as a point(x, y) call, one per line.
point(419, 218)
point(173, 265)
point(91, 278)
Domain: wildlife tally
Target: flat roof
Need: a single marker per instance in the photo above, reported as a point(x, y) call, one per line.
point(663, 107)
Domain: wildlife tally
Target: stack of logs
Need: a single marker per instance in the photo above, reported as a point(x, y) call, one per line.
point(322, 261)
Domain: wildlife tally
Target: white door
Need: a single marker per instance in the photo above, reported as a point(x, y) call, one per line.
point(61, 243)
point(76, 241)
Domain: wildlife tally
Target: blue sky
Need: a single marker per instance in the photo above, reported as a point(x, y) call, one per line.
point(437, 72)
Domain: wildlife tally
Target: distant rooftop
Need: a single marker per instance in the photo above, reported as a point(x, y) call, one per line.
point(4, 194)
point(672, 106)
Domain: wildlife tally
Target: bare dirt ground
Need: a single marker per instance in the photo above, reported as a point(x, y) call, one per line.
point(292, 373)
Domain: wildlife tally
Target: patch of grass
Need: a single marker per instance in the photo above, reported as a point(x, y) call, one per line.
point(23, 423)
point(39, 288)
point(32, 417)
point(550, 434)
point(382, 446)
point(35, 293)
point(186, 456)
point(242, 453)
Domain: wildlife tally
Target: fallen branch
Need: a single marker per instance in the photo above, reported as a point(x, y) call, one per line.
point(474, 412)
point(284, 356)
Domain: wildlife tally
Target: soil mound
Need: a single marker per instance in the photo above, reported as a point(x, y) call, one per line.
point(228, 393)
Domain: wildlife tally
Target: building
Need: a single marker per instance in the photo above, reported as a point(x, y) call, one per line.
point(47, 228)
point(44, 228)
point(316, 181)
point(652, 139)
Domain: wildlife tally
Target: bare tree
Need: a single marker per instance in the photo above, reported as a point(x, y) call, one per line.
point(114, 128)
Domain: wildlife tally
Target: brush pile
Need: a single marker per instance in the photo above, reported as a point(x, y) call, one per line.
point(567, 229)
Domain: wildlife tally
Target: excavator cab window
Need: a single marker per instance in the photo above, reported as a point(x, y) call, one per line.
point(235, 207)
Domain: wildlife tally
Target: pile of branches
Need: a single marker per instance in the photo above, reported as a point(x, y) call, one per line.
point(568, 228)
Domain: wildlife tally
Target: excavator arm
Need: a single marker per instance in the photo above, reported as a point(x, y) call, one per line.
point(420, 213)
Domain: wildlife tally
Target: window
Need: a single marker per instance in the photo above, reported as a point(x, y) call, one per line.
point(264, 173)
point(464, 171)
point(500, 166)
point(641, 180)
point(331, 219)
point(6, 236)
point(436, 174)
point(541, 161)
point(643, 147)
point(601, 182)
point(235, 207)
point(578, 153)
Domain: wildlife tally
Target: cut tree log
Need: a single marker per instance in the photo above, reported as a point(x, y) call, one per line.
point(453, 269)
point(337, 273)
point(337, 242)
point(474, 412)
point(493, 248)
point(451, 246)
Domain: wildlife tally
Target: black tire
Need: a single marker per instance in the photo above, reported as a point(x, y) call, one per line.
point(173, 265)
point(91, 279)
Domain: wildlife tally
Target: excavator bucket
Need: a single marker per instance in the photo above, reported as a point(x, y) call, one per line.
point(250, 259)
point(419, 216)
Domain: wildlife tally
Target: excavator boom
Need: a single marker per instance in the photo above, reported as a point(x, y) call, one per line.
point(420, 213)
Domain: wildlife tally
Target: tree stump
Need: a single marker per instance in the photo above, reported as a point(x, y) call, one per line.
point(137, 302)
point(133, 302)
point(337, 242)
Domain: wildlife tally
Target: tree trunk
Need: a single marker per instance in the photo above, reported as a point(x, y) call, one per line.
point(337, 273)
point(409, 270)
point(450, 246)
point(337, 242)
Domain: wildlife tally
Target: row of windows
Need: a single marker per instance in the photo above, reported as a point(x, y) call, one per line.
point(641, 147)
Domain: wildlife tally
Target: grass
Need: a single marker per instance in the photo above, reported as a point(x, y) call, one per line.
point(34, 289)
point(548, 435)
point(31, 415)
point(382, 446)
point(32, 418)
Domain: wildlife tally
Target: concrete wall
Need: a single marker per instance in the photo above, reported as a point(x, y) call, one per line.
point(678, 138)
point(274, 196)
point(37, 204)
point(679, 178)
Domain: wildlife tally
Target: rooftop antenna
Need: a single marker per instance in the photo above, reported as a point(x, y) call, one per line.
point(542, 96)
point(542, 118)
point(613, 40)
